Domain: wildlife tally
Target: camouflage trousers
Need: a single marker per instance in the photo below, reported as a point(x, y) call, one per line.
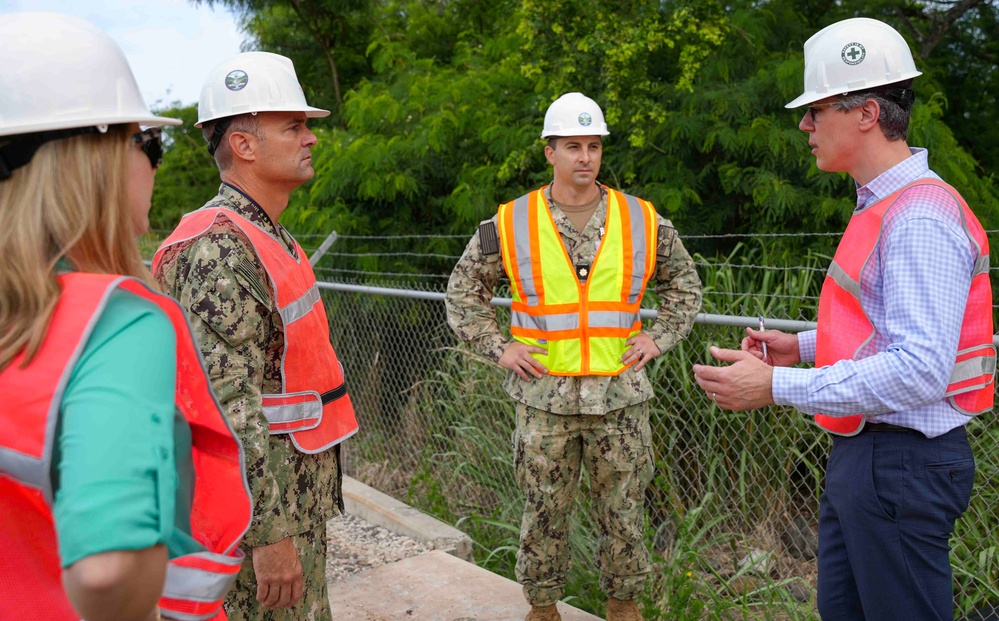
point(550, 452)
point(241, 603)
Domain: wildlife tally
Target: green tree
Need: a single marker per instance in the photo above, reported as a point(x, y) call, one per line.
point(435, 139)
point(963, 62)
point(326, 40)
point(441, 122)
point(188, 176)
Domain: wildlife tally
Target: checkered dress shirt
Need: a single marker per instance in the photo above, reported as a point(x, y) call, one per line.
point(914, 291)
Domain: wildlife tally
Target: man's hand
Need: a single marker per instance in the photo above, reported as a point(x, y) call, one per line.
point(643, 349)
point(782, 348)
point(518, 359)
point(279, 574)
point(746, 384)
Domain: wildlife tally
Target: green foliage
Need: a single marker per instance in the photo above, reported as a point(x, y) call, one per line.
point(974, 549)
point(325, 39)
point(446, 126)
point(690, 586)
point(437, 432)
point(188, 176)
point(440, 103)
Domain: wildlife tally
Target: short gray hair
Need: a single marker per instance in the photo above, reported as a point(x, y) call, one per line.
point(896, 107)
point(246, 123)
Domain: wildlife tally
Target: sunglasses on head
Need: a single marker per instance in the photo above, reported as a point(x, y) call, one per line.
point(151, 142)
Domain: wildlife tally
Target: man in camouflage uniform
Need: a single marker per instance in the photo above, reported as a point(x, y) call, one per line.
point(567, 422)
point(219, 278)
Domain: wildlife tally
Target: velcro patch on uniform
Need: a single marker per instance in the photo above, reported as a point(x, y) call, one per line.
point(248, 272)
point(664, 247)
point(583, 271)
point(488, 238)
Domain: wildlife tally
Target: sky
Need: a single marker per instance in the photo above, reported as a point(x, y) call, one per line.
point(170, 44)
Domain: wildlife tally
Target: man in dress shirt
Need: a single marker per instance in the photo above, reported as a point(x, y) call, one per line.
point(903, 351)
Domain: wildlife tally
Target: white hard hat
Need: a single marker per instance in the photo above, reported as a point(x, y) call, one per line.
point(253, 82)
point(853, 55)
point(574, 114)
point(59, 72)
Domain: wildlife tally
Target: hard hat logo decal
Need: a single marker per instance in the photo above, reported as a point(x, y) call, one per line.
point(236, 80)
point(853, 53)
point(585, 119)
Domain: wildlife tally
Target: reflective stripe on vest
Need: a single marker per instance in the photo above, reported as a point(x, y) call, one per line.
point(310, 370)
point(582, 325)
point(196, 584)
point(844, 329)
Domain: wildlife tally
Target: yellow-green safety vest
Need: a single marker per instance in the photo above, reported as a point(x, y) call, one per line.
point(581, 314)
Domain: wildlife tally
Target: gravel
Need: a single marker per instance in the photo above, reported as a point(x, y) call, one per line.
point(356, 545)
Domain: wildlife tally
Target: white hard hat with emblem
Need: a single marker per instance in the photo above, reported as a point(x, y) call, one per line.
point(253, 82)
point(853, 55)
point(574, 114)
point(63, 73)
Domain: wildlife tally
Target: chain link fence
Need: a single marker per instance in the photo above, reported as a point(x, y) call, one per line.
point(734, 502)
point(732, 510)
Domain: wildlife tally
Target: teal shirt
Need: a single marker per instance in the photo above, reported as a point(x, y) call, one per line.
point(119, 440)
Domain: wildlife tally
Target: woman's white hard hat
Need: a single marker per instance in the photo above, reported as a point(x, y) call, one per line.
point(60, 72)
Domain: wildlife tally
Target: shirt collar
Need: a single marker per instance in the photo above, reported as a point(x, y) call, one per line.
point(548, 192)
point(914, 167)
point(245, 206)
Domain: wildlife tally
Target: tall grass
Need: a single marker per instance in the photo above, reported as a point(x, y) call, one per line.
point(727, 485)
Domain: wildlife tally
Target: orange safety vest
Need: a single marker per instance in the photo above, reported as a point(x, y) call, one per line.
point(313, 406)
point(843, 327)
point(30, 574)
point(581, 314)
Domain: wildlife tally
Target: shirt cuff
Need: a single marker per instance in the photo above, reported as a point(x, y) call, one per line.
point(491, 346)
point(658, 335)
point(266, 530)
point(790, 387)
point(806, 345)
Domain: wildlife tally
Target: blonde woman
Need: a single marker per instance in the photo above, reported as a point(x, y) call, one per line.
point(122, 492)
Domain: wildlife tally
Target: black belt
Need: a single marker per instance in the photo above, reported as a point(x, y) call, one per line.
point(332, 395)
point(885, 427)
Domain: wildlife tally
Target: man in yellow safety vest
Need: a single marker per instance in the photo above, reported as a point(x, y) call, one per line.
point(578, 255)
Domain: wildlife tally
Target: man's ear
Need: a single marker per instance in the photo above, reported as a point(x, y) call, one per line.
point(550, 154)
point(243, 145)
point(870, 113)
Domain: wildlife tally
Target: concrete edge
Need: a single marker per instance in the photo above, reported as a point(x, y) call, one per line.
point(396, 516)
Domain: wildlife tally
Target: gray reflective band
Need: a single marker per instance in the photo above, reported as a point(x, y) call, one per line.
point(174, 615)
point(843, 280)
point(300, 307)
point(199, 585)
point(548, 323)
point(522, 249)
point(310, 407)
point(979, 366)
point(22, 468)
point(639, 247)
point(612, 319)
point(981, 265)
point(35, 472)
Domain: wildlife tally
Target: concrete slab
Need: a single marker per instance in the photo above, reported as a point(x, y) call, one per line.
point(434, 586)
point(398, 517)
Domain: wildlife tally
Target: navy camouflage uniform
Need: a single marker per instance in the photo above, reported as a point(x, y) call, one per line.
point(567, 423)
point(219, 280)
